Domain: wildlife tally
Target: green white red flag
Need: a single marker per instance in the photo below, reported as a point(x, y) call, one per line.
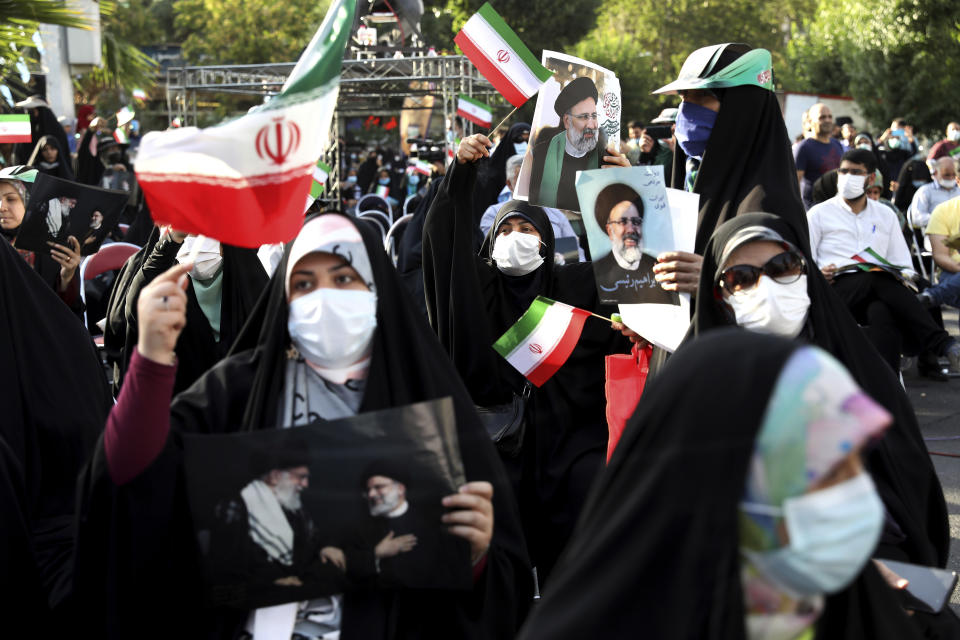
point(502, 58)
point(383, 191)
point(15, 128)
point(474, 111)
point(868, 257)
point(422, 167)
point(244, 181)
point(320, 173)
point(542, 339)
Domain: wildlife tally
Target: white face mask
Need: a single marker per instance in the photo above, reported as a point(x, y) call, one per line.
point(208, 260)
point(832, 534)
point(850, 186)
point(517, 254)
point(772, 307)
point(520, 148)
point(948, 184)
point(333, 328)
point(955, 135)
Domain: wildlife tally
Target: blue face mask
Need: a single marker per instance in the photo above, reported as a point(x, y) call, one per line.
point(414, 179)
point(520, 148)
point(918, 183)
point(383, 181)
point(832, 534)
point(351, 179)
point(694, 124)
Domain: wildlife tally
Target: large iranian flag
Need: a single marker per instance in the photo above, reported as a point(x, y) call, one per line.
point(501, 56)
point(244, 181)
point(542, 339)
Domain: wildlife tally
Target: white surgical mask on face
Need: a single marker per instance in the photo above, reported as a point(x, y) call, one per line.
point(208, 260)
point(333, 328)
point(850, 186)
point(955, 135)
point(948, 184)
point(517, 254)
point(832, 534)
point(520, 148)
point(772, 307)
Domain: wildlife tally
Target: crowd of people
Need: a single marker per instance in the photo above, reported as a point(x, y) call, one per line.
point(772, 465)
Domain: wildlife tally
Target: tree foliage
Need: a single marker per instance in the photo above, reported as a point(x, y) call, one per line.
point(645, 42)
point(20, 20)
point(247, 31)
point(894, 57)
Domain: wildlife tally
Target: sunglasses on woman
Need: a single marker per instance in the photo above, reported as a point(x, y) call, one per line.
point(784, 267)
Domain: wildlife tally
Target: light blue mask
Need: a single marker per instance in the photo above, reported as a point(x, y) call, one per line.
point(520, 148)
point(694, 124)
point(833, 533)
point(383, 181)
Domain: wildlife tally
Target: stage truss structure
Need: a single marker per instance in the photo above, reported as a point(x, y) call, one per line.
point(369, 85)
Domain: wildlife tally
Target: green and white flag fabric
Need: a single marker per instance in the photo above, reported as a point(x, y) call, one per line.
point(15, 128)
point(320, 173)
point(542, 339)
point(474, 111)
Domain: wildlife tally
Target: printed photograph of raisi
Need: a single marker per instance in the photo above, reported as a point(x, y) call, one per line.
point(354, 504)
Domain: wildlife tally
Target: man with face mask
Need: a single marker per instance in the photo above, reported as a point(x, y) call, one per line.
point(578, 146)
point(929, 196)
point(849, 224)
point(817, 155)
point(948, 146)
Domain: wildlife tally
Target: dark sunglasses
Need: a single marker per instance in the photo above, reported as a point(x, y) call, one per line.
point(784, 267)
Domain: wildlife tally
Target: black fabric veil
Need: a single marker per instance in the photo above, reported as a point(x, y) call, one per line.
point(471, 303)
point(492, 172)
point(243, 393)
point(900, 464)
point(656, 550)
point(64, 168)
point(747, 165)
point(55, 399)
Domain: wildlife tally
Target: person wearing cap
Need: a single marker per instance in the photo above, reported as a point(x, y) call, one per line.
point(576, 145)
point(732, 149)
point(42, 123)
point(819, 154)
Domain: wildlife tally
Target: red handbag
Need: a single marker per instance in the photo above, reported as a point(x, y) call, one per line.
point(626, 377)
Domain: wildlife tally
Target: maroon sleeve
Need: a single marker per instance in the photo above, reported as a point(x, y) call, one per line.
point(138, 424)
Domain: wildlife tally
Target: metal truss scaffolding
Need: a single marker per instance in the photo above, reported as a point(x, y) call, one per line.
point(368, 86)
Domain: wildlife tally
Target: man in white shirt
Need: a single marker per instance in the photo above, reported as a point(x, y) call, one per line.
point(929, 196)
point(558, 219)
point(849, 224)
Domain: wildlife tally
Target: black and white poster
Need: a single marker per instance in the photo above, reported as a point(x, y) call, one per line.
point(58, 209)
point(291, 514)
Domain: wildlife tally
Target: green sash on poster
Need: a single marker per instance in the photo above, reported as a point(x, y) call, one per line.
point(553, 167)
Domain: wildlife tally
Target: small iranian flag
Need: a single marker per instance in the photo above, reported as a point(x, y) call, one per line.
point(245, 180)
point(320, 173)
point(497, 52)
point(383, 191)
point(542, 339)
point(422, 166)
point(15, 128)
point(474, 111)
point(120, 136)
point(868, 256)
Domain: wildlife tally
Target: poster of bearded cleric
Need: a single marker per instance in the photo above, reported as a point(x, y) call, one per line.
point(627, 219)
point(284, 515)
point(577, 117)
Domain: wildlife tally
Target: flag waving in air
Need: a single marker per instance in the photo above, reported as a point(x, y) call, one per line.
point(244, 181)
point(502, 58)
point(475, 111)
point(542, 339)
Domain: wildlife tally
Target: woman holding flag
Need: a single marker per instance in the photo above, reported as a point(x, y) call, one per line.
point(472, 300)
point(334, 280)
